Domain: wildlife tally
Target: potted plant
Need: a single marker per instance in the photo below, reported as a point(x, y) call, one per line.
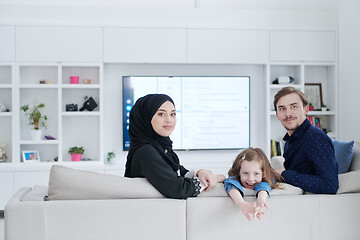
point(3, 155)
point(76, 152)
point(36, 119)
point(323, 107)
point(311, 107)
point(110, 155)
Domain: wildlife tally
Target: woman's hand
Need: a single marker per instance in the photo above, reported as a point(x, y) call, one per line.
point(209, 179)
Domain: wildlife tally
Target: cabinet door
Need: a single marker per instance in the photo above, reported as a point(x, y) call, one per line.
point(38, 43)
point(227, 46)
point(6, 188)
point(144, 45)
point(7, 43)
point(302, 46)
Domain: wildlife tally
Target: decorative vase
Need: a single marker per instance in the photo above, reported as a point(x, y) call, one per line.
point(76, 157)
point(324, 109)
point(36, 135)
point(74, 79)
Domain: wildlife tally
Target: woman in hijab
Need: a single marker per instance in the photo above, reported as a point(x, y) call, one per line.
point(152, 120)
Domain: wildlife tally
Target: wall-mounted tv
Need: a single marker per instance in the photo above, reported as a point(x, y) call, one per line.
point(213, 112)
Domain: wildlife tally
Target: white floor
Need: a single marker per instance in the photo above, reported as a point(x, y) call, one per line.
point(2, 225)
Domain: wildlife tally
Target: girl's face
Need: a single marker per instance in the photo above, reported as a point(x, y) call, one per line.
point(164, 120)
point(250, 173)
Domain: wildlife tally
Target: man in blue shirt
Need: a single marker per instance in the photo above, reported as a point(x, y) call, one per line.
point(309, 153)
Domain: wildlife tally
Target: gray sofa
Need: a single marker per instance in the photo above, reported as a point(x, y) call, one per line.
point(85, 205)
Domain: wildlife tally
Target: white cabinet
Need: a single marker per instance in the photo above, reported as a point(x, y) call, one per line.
point(144, 45)
point(302, 45)
point(6, 186)
point(227, 46)
point(7, 43)
point(303, 74)
point(54, 44)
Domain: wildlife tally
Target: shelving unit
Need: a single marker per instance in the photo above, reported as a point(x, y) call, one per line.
point(68, 128)
point(303, 72)
point(6, 100)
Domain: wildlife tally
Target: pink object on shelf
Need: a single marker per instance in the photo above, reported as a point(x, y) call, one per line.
point(76, 157)
point(74, 79)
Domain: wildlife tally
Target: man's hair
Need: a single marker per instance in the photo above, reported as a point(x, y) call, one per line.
point(288, 90)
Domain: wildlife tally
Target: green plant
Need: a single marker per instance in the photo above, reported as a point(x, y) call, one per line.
point(35, 116)
point(76, 150)
point(323, 105)
point(110, 155)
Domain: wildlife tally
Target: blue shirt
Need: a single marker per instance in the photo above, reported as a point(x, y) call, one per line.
point(232, 182)
point(310, 160)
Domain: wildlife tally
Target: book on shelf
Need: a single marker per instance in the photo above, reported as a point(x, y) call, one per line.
point(316, 121)
point(276, 148)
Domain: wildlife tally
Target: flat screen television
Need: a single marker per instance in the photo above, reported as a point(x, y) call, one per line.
point(212, 112)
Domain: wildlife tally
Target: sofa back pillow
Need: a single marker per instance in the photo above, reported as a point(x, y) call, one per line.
point(71, 184)
point(343, 154)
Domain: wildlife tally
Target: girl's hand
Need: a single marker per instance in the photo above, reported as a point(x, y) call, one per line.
point(250, 208)
point(260, 205)
point(260, 209)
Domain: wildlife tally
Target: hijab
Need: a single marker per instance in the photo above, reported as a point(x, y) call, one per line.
point(141, 131)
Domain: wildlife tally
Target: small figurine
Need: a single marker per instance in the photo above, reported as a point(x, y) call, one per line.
point(3, 155)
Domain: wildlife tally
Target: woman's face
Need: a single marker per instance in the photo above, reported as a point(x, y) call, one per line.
point(164, 120)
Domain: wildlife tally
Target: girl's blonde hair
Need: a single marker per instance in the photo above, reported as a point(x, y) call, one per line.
point(256, 154)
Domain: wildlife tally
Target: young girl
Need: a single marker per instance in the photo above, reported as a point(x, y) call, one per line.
point(251, 169)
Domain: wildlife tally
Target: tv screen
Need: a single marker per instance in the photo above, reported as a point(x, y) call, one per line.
point(212, 112)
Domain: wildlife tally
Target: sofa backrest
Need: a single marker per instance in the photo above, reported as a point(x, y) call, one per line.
point(72, 184)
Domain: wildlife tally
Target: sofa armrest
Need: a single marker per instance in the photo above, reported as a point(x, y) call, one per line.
point(37, 193)
point(18, 195)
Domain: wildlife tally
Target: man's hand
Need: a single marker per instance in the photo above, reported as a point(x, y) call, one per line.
point(209, 179)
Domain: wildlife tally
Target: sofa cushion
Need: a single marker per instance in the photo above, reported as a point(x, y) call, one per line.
point(71, 184)
point(343, 154)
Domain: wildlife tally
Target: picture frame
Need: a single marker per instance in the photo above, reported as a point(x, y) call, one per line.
point(30, 156)
point(313, 92)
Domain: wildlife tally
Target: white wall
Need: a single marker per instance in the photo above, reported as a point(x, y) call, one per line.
point(248, 14)
point(349, 76)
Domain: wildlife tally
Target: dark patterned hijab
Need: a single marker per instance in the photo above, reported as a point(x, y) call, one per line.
point(141, 131)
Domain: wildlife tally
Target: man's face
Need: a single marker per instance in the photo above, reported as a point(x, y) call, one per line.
point(291, 112)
